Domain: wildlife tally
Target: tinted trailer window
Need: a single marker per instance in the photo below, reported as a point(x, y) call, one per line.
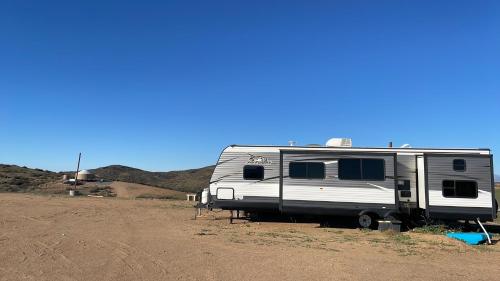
point(361, 169)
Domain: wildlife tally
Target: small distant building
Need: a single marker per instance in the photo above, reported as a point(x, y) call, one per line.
point(191, 196)
point(85, 175)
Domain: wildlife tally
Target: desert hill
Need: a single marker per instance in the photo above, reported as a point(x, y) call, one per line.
point(192, 180)
point(14, 178)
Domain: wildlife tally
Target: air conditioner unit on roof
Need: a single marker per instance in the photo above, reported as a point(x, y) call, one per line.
point(339, 142)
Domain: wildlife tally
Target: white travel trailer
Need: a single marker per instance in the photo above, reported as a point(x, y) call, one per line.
point(370, 183)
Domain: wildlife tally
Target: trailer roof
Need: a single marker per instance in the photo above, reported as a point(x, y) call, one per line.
point(271, 148)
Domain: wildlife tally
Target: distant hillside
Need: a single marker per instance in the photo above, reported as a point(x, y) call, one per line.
point(187, 180)
point(14, 178)
point(497, 178)
point(127, 174)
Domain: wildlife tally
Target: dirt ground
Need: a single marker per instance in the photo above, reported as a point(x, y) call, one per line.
point(63, 238)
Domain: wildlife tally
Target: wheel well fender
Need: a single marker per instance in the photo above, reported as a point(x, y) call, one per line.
point(369, 212)
point(392, 213)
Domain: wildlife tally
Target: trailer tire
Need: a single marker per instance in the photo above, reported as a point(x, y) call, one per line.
point(367, 220)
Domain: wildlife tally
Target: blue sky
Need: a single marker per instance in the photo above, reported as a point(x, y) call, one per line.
point(165, 85)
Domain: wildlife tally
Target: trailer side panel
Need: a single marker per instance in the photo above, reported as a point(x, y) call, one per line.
point(333, 195)
point(459, 186)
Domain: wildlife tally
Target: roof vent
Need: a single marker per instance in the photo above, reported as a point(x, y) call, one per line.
point(339, 142)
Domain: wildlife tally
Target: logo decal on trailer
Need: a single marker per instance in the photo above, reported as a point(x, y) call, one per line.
point(259, 160)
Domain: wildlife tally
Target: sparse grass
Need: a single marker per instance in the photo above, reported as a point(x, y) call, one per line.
point(403, 239)
point(105, 191)
point(289, 237)
point(157, 196)
point(326, 249)
point(484, 248)
point(308, 239)
point(439, 243)
point(349, 238)
point(378, 240)
point(175, 204)
point(333, 230)
point(235, 239)
point(439, 229)
point(205, 232)
point(431, 229)
point(403, 244)
point(292, 231)
point(335, 239)
point(276, 235)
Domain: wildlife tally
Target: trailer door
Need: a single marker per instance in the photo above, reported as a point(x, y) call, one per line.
point(421, 182)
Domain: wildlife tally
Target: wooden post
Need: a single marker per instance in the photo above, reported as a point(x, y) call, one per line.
point(77, 168)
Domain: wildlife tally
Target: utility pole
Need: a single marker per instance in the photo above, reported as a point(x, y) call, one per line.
point(77, 168)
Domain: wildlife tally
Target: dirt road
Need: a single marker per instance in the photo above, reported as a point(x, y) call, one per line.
point(134, 190)
point(61, 238)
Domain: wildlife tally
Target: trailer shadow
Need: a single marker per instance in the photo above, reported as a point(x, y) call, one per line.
point(323, 222)
point(492, 228)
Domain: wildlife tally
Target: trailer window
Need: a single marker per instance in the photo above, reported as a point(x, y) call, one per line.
point(448, 188)
point(306, 170)
point(361, 169)
point(459, 189)
point(350, 169)
point(459, 165)
point(253, 172)
point(372, 169)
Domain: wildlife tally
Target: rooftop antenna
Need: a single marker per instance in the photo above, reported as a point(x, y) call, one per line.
point(291, 143)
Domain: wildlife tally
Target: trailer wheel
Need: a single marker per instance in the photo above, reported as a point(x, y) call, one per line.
point(367, 220)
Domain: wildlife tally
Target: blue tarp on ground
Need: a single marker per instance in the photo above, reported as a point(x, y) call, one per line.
point(470, 238)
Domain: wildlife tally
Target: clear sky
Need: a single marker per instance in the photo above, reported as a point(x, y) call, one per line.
point(165, 85)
